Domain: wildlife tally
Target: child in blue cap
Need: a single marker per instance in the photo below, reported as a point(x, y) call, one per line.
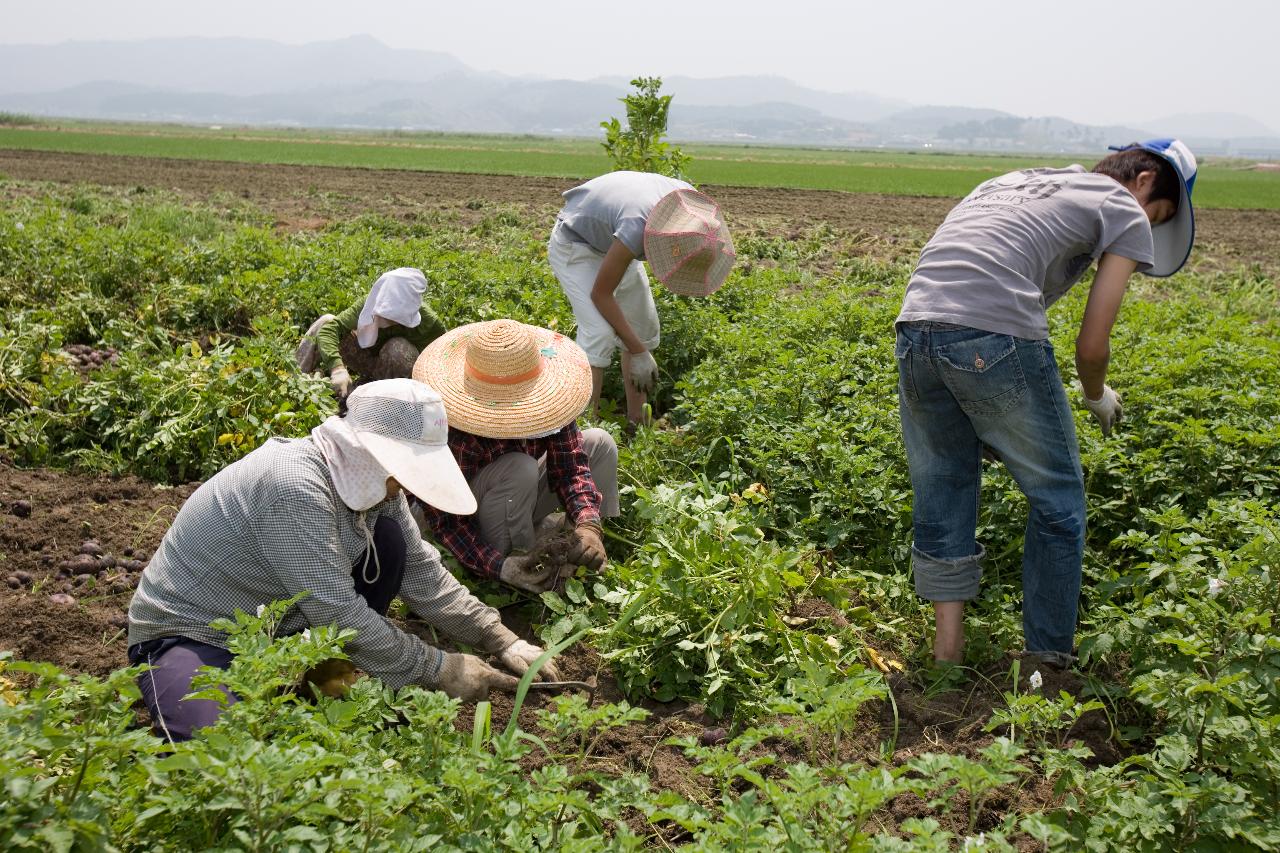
point(976, 368)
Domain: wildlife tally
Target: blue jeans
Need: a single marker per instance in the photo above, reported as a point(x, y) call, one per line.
point(958, 389)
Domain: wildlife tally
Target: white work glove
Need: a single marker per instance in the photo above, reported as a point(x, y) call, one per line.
point(470, 679)
point(1106, 409)
point(518, 572)
point(341, 382)
point(519, 656)
point(644, 372)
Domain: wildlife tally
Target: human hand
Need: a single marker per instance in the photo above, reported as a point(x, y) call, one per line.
point(519, 656)
point(644, 372)
point(586, 547)
point(1106, 409)
point(523, 572)
point(470, 679)
point(341, 382)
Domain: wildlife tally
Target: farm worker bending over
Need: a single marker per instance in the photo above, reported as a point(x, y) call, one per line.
point(513, 394)
point(607, 226)
point(976, 367)
point(325, 515)
point(378, 336)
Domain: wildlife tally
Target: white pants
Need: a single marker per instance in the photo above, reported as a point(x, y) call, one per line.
point(576, 266)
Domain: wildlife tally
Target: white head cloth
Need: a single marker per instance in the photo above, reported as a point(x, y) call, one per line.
point(396, 295)
point(361, 481)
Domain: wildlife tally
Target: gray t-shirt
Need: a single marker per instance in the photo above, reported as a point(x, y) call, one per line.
point(271, 525)
point(615, 206)
point(1017, 243)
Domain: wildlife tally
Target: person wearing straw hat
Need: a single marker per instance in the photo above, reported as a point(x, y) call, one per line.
point(324, 516)
point(513, 393)
point(379, 336)
point(977, 371)
point(608, 226)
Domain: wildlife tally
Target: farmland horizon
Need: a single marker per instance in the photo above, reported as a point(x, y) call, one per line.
point(257, 76)
point(1223, 183)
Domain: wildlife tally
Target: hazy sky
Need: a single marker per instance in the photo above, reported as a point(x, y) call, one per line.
point(1097, 61)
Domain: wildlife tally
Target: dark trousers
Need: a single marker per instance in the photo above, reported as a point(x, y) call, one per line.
point(174, 660)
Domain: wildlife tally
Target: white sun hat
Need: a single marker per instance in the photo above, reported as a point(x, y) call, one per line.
point(394, 428)
point(396, 296)
point(687, 244)
point(1172, 239)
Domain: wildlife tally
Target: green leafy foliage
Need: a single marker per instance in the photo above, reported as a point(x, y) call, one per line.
point(775, 478)
point(639, 145)
point(715, 593)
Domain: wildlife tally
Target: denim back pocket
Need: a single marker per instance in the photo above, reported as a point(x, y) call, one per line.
point(984, 373)
point(906, 385)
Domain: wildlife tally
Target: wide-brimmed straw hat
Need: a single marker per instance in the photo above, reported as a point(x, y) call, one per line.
point(404, 427)
point(687, 243)
point(503, 379)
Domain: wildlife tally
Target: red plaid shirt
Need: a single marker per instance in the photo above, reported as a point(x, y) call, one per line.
point(568, 473)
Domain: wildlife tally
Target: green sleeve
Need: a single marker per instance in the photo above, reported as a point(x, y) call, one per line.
point(428, 329)
point(331, 333)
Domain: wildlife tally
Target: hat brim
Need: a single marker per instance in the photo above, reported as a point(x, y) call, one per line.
point(690, 279)
point(550, 401)
point(668, 227)
point(1173, 239)
point(429, 471)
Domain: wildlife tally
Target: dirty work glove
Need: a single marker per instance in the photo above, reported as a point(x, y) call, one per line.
point(644, 372)
point(341, 382)
point(519, 656)
point(470, 679)
point(332, 677)
point(1106, 409)
point(587, 547)
point(522, 573)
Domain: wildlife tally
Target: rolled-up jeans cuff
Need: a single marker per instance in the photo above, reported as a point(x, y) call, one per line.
point(947, 579)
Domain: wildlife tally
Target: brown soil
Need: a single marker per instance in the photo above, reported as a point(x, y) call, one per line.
point(125, 515)
point(310, 197)
point(552, 552)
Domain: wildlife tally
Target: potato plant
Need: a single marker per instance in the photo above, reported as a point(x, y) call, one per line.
point(775, 478)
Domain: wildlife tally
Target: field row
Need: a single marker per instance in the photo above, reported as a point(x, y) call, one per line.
point(893, 173)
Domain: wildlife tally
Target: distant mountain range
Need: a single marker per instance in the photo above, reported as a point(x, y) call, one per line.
point(361, 83)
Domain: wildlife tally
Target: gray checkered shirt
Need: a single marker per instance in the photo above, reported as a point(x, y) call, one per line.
point(271, 525)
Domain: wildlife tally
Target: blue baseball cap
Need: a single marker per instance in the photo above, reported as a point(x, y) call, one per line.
point(1172, 239)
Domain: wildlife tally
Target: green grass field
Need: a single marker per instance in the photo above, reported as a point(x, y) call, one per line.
point(1226, 184)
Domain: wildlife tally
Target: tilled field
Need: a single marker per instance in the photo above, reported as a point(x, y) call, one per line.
point(312, 196)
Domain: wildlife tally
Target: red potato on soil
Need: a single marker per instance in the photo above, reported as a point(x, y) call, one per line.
point(81, 564)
